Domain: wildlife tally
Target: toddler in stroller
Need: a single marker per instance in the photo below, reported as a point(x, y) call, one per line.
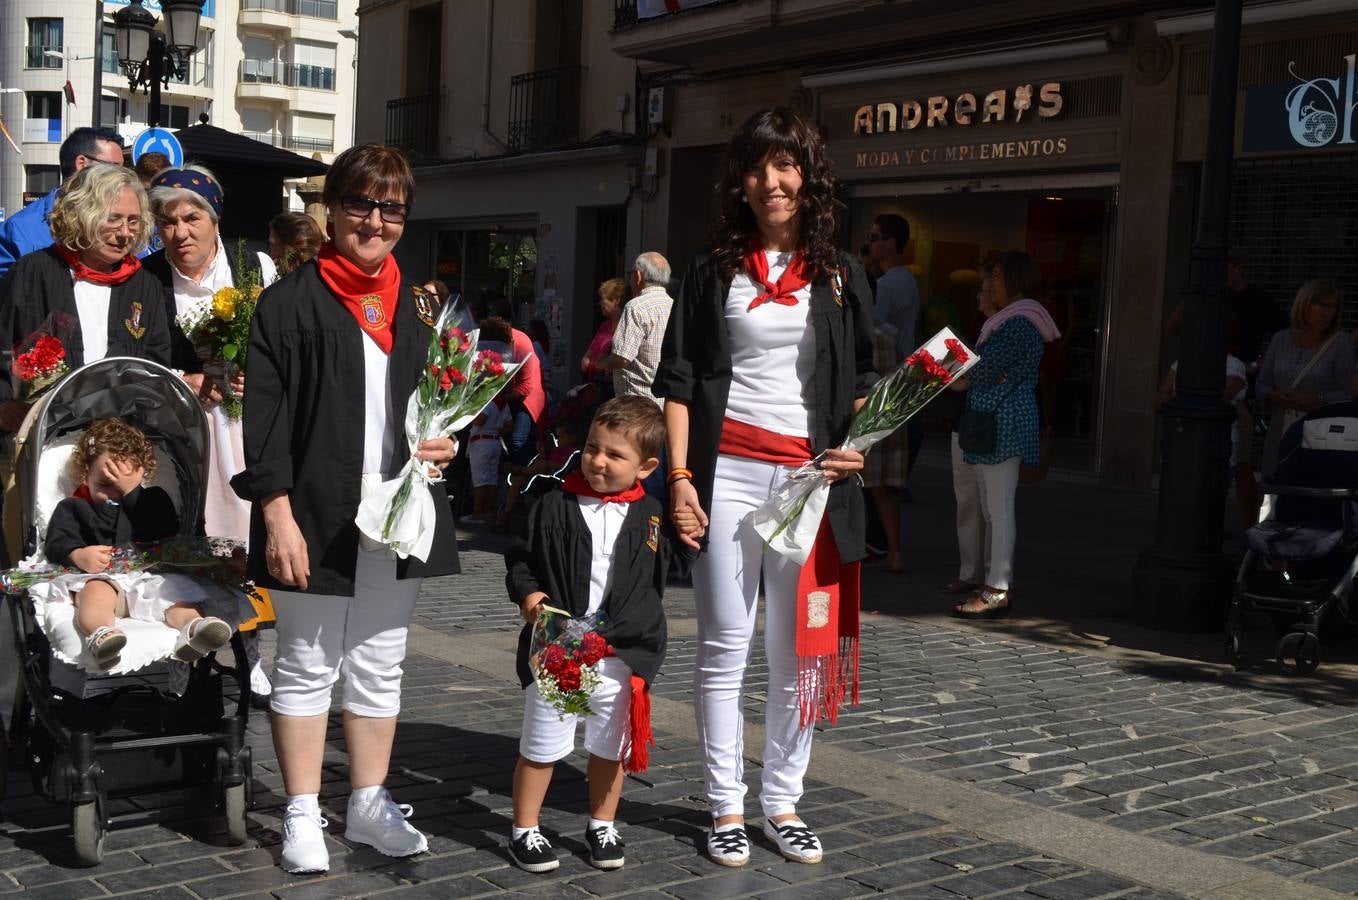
point(113, 506)
point(1302, 556)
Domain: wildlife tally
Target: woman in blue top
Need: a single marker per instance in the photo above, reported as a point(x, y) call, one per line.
point(1004, 382)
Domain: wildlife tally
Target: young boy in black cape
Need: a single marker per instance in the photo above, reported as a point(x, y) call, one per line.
point(594, 546)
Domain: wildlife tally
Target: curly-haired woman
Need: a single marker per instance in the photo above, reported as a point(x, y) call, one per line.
point(767, 355)
point(90, 274)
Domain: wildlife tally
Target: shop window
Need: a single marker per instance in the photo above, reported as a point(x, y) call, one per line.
point(491, 268)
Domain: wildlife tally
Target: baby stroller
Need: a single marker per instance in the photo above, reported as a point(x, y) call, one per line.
point(90, 738)
point(1302, 557)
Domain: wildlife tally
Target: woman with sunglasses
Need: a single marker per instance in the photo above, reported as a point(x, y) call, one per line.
point(336, 349)
point(91, 274)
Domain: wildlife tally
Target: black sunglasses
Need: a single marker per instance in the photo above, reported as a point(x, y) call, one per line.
point(362, 207)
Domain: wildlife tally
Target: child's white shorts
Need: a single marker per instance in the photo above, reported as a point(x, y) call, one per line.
point(547, 737)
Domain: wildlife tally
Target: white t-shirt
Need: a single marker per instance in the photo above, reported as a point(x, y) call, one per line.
point(379, 440)
point(497, 417)
point(773, 355)
point(91, 305)
point(605, 522)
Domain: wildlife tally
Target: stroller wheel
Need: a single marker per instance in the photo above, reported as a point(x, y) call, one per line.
point(87, 827)
point(235, 802)
point(1298, 653)
point(1233, 654)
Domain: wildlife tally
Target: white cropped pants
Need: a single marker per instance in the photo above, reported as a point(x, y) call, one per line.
point(322, 637)
point(986, 521)
point(726, 582)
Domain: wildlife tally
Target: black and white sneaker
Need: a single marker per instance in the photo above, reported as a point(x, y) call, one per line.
point(605, 847)
point(730, 846)
point(795, 841)
point(533, 852)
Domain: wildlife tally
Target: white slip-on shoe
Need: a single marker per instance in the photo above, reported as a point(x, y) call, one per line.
point(199, 637)
point(381, 823)
point(730, 846)
point(304, 842)
point(795, 841)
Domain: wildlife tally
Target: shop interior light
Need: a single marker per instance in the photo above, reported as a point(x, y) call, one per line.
point(1091, 46)
point(1255, 14)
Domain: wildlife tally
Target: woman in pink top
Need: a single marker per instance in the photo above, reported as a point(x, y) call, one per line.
point(612, 298)
point(525, 394)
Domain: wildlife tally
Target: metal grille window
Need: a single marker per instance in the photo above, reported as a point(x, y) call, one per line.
point(1293, 221)
point(544, 108)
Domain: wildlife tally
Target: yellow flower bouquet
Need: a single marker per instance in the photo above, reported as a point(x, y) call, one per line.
point(220, 330)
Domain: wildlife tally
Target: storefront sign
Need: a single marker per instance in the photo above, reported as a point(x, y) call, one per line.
point(1305, 114)
point(955, 153)
point(964, 109)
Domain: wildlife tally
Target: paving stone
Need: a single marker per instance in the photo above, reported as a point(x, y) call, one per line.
point(1081, 887)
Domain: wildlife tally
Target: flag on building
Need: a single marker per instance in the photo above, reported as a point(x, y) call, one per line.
point(70, 93)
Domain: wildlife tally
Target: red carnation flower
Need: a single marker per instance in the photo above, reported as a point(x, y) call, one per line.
point(553, 658)
point(568, 679)
point(592, 648)
point(458, 336)
point(455, 374)
point(445, 381)
point(435, 371)
point(957, 350)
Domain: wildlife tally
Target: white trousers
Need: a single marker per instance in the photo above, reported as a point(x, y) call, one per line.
point(726, 582)
point(363, 638)
point(549, 736)
point(998, 484)
point(971, 531)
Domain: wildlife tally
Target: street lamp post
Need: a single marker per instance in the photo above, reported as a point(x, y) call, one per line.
point(150, 57)
point(1184, 581)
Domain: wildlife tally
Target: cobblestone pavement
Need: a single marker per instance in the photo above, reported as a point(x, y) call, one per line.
point(976, 765)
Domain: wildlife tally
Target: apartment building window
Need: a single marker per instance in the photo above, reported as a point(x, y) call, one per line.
point(108, 54)
point(42, 125)
point(174, 116)
point(258, 65)
point(39, 179)
point(43, 35)
point(112, 110)
point(199, 69)
point(312, 132)
point(313, 65)
point(258, 125)
point(316, 9)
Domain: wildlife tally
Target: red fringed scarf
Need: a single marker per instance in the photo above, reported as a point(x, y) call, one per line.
point(638, 756)
point(370, 299)
point(827, 590)
point(126, 268)
point(793, 279)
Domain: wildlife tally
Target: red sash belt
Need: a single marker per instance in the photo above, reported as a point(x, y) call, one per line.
point(828, 594)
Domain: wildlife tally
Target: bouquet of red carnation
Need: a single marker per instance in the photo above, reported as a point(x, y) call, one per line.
point(458, 382)
point(40, 359)
point(790, 519)
point(564, 657)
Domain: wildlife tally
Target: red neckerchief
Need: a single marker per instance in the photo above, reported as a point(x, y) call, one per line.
point(577, 485)
point(83, 493)
point(370, 299)
point(126, 268)
point(792, 280)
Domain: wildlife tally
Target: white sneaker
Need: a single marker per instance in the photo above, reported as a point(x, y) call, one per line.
point(381, 823)
point(795, 841)
point(199, 637)
point(304, 842)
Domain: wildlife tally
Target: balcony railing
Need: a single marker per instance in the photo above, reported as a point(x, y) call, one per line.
point(271, 71)
point(315, 9)
point(324, 145)
point(544, 108)
point(272, 138)
point(37, 58)
point(412, 125)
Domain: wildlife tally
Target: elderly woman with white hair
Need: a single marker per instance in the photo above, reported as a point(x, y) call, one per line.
point(91, 274)
point(187, 205)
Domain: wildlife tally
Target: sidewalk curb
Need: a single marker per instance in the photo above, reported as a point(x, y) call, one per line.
point(1159, 865)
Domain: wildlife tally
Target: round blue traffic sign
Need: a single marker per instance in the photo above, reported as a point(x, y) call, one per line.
point(158, 140)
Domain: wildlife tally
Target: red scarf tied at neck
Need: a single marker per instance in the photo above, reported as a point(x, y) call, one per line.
point(126, 268)
point(793, 279)
point(576, 484)
point(370, 299)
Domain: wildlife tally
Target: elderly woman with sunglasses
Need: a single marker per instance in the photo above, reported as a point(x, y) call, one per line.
point(91, 274)
point(336, 349)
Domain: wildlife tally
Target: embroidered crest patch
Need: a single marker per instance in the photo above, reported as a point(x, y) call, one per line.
point(374, 316)
point(424, 306)
point(817, 609)
point(653, 534)
point(133, 323)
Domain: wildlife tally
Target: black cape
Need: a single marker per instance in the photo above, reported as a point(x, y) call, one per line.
point(695, 367)
point(39, 284)
point(144, 514)
point(555, 556)
point(304, 421)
